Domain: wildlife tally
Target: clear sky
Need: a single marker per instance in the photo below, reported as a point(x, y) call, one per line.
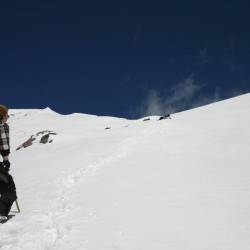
point(123, 58)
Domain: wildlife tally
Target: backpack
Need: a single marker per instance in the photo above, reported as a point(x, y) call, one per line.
point(7, 184)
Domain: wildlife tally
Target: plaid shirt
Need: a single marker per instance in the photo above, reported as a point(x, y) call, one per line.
point(4, 139)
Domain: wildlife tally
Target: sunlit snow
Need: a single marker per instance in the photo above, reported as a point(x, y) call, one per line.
point(177, 184)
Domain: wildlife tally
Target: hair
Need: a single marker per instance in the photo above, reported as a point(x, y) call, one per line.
point(3, 111)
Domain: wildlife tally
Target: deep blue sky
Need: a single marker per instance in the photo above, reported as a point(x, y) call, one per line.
point(122, 58)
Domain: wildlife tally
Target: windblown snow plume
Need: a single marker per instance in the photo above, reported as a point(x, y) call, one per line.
point(184, 95)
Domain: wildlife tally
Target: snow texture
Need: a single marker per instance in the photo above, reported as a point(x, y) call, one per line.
point(179, 184)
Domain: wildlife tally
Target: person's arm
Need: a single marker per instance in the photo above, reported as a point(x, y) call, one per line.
point(5, 142)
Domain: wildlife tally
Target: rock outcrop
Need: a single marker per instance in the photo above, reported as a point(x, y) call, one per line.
point(42, 137)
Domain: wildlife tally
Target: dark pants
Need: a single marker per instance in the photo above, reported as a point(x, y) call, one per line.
point(8, 195)
point(6, 202)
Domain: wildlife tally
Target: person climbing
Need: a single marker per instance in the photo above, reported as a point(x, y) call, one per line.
point(7, 185)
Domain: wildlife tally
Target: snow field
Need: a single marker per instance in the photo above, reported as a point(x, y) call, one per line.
point(174, 184)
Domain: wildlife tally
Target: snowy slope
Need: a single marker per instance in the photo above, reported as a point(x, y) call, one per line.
point(179, 184)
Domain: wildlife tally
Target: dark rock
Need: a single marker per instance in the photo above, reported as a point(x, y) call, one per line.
point(26, 143)
point(165, 117)
point(44, 139)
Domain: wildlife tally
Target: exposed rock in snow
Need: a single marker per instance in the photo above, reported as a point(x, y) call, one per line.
point(42, 136)
point(167, 116)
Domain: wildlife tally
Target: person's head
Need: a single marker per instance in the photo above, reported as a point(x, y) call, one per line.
point(3, 113)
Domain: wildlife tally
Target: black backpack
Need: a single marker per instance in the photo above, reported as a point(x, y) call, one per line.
point(7, 184)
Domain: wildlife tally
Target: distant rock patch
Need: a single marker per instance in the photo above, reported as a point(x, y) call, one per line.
point(44, 139)
point(41, 137)
point(167, 116)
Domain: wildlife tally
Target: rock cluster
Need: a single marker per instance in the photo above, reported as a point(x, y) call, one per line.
point(42, 137)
